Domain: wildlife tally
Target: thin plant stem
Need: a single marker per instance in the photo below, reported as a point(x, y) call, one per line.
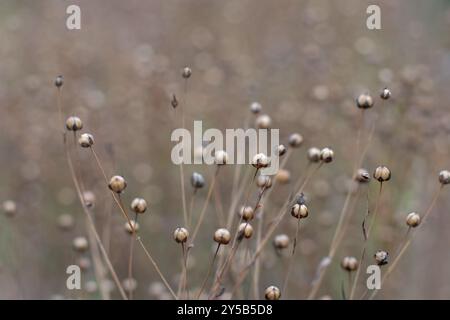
point(130, 260)
point(291, 260)
point(202, 288)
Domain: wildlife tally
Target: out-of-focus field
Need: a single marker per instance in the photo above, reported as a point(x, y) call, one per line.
point(304, 61)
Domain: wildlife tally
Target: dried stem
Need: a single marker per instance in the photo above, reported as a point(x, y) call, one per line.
point(208, 273)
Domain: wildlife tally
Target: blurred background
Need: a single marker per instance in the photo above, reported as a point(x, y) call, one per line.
point(304, 61)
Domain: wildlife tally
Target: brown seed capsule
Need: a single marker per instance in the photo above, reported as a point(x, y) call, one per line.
point(364, 101)
point(260, 160)
point(283, 176)
point(362, 176)
point(221, 157)
point(326, 155)
point(381, 257)
point(263, 122)
point(74, 124)
point(187, 72)
point(281, 241)
point(59, 81)
point(281, 150)
point(89, 198)
point(222, 236)
point(314, 154)
point(246, 213)
point(295, 140)
point(245, 229)
point(80, 244)
point(382, 173)
point(272, 293)
point(139, 205)
point(385, 94)
point(264, 181)
point(255, 107)
point(86, 140)
point(197, 180)
point(117, 184)
point(174, 101)
point(444, 177)
point(65, 221)
point(180, 235)
point(131, 226)
point(10, 208)
point(412, 220)
point(349, 263)
point(299, 211)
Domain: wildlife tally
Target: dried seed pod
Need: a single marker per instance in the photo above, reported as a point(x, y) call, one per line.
point(362, 176)
point(413, 220)
point(59, 81)
point(222, 236)
point(260, 160)
point(10, 208)
point(197, 180)
point(180, 235)
point(247, 213)
point(245, 230)
point(74, 124)
point(174, 101)
point(381, 257)
point(295, 140)
point(364, 101)
point(66, 221)
point(299, 211)
point(86, 140)
point(187, 72)
point(89, 198)
point(139, 205)
point(117, 184)
point(444, 177)
point(281, 150)
point(326, 155)
point(221, 157)
point(80, 244)
point(283, 176)
point(255, 107)
point(382, 174)
point(272, 293)
point(131, 227)
point(281, 241)
point(264, 181)
point(385, 94)
point(129, 284)
point(313, 154)
point(263, 121)
point(349, 264)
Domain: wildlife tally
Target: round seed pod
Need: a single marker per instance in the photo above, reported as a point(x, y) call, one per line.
point(221, 157)
point(117, 184)
point(281, 150)
point(180, 235)
point(10, 208)
point(295, 140)
point(80, 244)
point(313, 154)
point(139, 205)
point(86, 140)
point(364, 101)
point(444, 177)
point(299, 211)
point(349, 264)
point(260, 160)
point(74, 124)
point(222, 236)
point(283, 176)
point(255, 107)
point(245, 230)
point(131, 226)
point(66, 221)
point(264, 181)
point(382, 174)
point(187, 72)
point(362, 176)
point(413, 220)
point(89, 198)
point(197, 180)
point(281, 241)
point(129, 284)
point(381, 257)
point(326, 155)
point(272, 293)
point(59, 81)
point(263, 121)
point(385, 94)
point(246, 213)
